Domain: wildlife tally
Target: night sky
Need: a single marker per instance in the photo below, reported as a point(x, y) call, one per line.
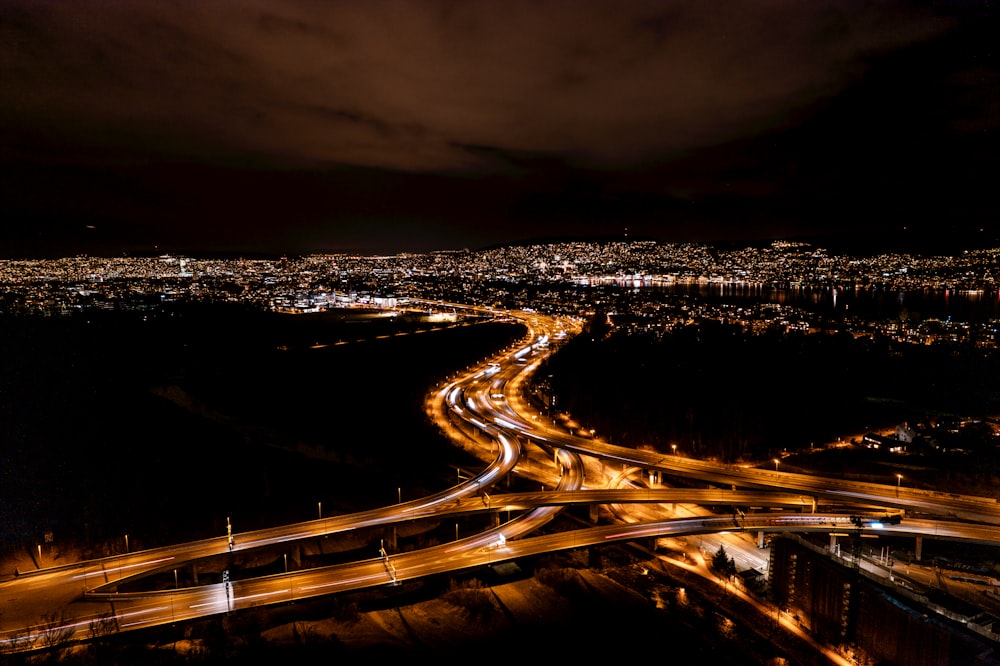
point(141, 126)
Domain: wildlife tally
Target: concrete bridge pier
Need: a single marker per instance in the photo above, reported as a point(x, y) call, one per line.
point(918, 550)
point(760, 539)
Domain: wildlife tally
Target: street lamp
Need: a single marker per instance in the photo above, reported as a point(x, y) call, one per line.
point(776, 461)
point(674, 448)
point(899, 479)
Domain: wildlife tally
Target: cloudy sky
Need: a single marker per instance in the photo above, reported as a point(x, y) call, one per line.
point(379, 125)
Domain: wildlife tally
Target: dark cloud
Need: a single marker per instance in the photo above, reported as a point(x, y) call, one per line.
point(567, 110)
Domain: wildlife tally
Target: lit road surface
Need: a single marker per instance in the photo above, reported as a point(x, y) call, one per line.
point(484, 410)
point(984, 509)
point(35, 594)
point(145, 609)
point(712, 497)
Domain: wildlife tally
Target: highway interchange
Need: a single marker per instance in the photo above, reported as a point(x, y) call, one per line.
point(485, 409)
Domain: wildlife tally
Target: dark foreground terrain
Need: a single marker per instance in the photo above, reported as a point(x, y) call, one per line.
point(161, 427)
point(717, 391)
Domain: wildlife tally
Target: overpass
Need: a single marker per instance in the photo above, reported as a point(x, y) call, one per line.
point(489, 401)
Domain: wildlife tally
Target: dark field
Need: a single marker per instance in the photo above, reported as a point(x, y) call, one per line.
point(160, 428)
point(718, 392)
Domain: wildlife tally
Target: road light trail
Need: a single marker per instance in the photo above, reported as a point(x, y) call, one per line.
point(504, 426)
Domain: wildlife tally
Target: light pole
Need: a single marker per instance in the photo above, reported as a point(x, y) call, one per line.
point(673, 447)
point(776, 461)
point(225, 580)
point(899, 479)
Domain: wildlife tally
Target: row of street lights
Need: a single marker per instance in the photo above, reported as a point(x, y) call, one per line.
point(899, 477)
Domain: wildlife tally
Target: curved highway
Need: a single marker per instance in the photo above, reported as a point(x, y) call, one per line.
point(485, 411)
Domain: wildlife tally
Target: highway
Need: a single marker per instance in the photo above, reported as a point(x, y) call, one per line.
point(145, 609)
point(485, 411)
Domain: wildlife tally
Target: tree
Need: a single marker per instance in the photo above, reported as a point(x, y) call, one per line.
point(53, 630)
point(722, 563)
point(20, 641)
point(720, 559)
point(104, 625)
